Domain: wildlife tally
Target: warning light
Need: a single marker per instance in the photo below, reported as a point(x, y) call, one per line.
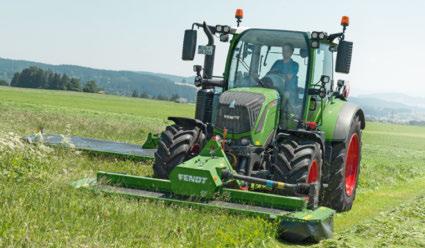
point(346, 90)
point(311, 125)
point(239, 16)
point(345, 21)
point(239, 13)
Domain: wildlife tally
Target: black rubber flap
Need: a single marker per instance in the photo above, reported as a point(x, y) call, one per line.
point(305, 231)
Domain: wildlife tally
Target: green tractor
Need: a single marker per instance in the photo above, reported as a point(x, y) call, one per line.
point(273, 137)
point(276, 111)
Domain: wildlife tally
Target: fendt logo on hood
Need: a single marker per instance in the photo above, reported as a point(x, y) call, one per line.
point(231, 117)
point(192, 179)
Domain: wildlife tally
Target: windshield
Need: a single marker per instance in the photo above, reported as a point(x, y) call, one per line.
point(273, 59)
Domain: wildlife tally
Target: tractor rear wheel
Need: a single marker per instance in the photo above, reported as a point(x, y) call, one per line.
point(343, 171)
point(297, 161)
point(176, 145)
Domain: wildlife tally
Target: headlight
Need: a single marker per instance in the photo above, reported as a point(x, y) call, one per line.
point(314, 44)
point(245, 141)
point(226, 29)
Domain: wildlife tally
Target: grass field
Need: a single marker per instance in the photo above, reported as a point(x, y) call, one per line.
point(38, 208)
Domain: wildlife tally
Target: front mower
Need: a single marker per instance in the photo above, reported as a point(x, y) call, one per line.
point(208, 181)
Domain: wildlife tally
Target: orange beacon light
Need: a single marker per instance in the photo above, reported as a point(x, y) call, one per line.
point(345, 21)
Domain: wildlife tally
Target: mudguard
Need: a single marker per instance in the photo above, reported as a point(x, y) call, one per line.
point(183, 121)
point(337, 119)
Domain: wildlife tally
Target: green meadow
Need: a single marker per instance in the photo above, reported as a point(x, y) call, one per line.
point(39, 208)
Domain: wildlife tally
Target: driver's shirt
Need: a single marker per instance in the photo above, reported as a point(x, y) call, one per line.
point(282, 68)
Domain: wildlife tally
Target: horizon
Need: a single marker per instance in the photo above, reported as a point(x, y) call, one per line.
point(357, 94)
point(131, 37)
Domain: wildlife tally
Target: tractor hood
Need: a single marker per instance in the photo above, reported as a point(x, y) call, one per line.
point(246, 112)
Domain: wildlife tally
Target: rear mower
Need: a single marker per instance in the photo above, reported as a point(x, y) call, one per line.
point(272, 137)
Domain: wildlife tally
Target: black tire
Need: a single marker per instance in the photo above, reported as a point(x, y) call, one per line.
point(340, 193)
point(176, 145)
point(293, 160)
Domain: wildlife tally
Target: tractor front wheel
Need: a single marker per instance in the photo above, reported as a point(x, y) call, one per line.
point(176, 145)
point(297, 160)
point(344, 169)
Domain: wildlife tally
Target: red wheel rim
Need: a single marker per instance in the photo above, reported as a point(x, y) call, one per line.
point(352, 165)
point(195, 149)
point(313, 173)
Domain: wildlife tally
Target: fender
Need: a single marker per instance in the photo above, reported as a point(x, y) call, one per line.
point(189, 122)
point(337, 120)
point(318, 137)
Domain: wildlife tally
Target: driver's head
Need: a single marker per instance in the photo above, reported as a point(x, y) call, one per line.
point(287, 50)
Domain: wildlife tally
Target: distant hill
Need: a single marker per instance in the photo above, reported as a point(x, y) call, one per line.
point(412, 101)
point(114, 82)
point(388, 110)
point(174, 78)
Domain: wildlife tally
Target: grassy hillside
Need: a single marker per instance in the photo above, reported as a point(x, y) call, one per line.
point(39, 208)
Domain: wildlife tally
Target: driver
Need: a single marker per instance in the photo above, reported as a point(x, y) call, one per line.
point(288, 70)
point(286, 67)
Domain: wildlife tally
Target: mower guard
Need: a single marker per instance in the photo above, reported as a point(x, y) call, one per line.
point(146, 151)
point(296, 222)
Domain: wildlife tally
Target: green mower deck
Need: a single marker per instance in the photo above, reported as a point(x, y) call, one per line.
point(297, 223)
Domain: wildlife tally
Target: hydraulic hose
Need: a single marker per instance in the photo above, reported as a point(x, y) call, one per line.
point(300, 188)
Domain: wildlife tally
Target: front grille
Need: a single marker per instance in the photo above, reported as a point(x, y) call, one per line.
point(238, 111)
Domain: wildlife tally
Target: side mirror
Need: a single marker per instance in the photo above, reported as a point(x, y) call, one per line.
point(189, 44)
point(343, 57)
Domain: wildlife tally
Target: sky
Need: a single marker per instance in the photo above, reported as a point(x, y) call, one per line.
point(141, 35)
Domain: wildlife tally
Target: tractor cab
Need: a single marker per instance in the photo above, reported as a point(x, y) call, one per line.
point(298, 65)
point(273, 59)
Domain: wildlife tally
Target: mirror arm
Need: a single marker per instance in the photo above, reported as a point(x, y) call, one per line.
point(209, 59)
point(198, 25)
point(208, 33)
point(209, 82)
point(332, 37)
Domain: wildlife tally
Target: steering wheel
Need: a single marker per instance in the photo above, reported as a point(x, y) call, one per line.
point(278, 82)
point(274, 80)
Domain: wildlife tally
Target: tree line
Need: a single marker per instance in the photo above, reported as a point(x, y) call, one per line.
point(3, 83)
point(173, 98)
point(34, 77)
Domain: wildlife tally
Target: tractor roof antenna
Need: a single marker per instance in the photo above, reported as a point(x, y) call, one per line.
point(239, 16)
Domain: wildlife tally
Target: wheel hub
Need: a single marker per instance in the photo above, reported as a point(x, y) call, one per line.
point(352, 165)
point(313, 173)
